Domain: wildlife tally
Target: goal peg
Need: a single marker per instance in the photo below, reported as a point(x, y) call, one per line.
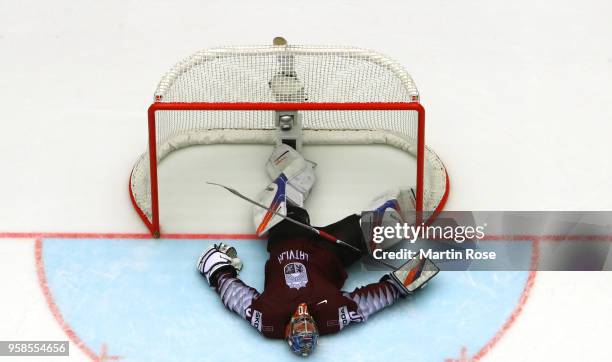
point(279, 40)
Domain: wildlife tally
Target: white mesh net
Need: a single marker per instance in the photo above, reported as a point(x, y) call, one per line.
point(286, 74)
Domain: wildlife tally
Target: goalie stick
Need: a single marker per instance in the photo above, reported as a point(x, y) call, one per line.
point(330, 237)
point(321, 233)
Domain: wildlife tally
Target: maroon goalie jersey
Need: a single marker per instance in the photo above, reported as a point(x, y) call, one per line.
point(301, 271)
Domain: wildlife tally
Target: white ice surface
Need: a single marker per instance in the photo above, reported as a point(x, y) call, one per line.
point(519, 107)
point(348, 178)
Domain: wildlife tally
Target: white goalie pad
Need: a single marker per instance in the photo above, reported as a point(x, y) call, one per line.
point(299, 173)
point(275, 199)
point(387, 210)
point(406, 202)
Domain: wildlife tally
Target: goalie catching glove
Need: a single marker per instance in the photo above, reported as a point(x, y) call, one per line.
point(217, 258)
point(412, 276)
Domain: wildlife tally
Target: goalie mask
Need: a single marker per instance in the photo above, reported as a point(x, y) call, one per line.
point(301, 333)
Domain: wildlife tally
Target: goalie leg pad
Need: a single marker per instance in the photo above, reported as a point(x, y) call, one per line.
point(299, 173)
point(401, 200)
point(387, 210)
point(274, 198)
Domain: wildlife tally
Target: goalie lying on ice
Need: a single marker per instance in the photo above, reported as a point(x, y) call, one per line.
point(305, 273)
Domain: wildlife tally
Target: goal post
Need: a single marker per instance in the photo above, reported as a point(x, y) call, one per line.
point(233, 95)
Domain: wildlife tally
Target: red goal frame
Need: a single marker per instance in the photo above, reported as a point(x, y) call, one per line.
point(154, 224)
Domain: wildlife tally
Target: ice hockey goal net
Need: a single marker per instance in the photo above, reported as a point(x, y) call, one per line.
point(234, 95)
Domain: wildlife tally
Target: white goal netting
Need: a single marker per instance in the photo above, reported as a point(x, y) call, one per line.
point(269, 75)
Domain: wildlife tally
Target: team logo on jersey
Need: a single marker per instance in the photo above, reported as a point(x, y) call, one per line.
point(295, 275)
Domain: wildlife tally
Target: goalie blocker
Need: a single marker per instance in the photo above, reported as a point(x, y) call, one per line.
point(412, 276)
